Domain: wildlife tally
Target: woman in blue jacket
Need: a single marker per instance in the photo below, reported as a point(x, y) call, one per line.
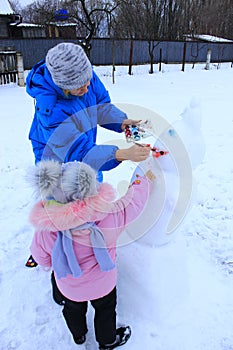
point(70, 102)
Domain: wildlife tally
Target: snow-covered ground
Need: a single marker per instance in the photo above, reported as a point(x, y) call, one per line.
point(190, 309)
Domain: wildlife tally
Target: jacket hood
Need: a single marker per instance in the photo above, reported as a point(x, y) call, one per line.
point(55, 216)
point(39, 84)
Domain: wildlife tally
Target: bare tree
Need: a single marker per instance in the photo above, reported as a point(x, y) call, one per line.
point(151, 20)
point(17, 8)
point(92, 17)
point(209, 17)
point(218, 17)
point(171, 19)
point(40, 12)
point(140, 19)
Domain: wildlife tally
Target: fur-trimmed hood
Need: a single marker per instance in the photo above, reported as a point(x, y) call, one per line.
point(54, 216)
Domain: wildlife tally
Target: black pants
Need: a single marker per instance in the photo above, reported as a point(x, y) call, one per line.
point(75, 315)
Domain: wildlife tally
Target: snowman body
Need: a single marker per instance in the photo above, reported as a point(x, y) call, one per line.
point(152, 266)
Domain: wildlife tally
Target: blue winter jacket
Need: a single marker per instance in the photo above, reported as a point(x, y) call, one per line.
point(65, 127)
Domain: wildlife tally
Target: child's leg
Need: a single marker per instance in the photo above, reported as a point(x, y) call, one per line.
point(75, 316)
point(73, 312)
point(58, 297)
point(105, 318)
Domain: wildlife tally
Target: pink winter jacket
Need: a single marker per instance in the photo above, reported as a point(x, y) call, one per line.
point(109, 215)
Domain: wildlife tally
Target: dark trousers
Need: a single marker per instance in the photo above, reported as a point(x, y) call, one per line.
point(75, 315)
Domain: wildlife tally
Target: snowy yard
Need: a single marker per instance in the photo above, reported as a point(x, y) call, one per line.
point(189, 304)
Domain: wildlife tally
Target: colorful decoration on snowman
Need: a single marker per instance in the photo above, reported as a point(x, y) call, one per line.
point(137, 132)
point(134, 133)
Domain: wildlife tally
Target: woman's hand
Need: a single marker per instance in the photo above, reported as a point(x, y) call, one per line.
point(129, 122)
point(134, 153)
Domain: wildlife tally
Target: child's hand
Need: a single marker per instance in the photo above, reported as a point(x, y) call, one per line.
point(150, 175)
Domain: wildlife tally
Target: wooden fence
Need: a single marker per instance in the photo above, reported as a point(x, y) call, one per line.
point(105, 51)
point(8, 66)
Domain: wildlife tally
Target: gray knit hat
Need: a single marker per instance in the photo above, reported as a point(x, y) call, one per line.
point(64, 182)
point(69, 66)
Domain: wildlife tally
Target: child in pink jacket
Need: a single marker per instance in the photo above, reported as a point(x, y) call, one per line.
point(77, 226)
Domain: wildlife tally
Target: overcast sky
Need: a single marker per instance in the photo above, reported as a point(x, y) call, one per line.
point(25, 2)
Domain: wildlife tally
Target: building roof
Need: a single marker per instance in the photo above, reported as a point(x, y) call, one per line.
point(5, 8)
point(212, 38)
point(26, 25)
point(209, 38)
point(63, 24)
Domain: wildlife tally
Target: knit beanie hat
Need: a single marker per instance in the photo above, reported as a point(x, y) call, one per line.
point(63, 182)
point(69, 66)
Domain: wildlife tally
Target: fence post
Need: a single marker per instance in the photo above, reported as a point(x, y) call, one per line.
point(208, 58)
point(184, 57)
point(130, 57)
point(20, 69)
point(113, 61)
point(160, 60)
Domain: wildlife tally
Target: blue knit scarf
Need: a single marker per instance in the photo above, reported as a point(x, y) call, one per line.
point(64, 260)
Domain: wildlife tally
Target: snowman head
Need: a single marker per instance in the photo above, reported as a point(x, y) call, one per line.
point(185, 135)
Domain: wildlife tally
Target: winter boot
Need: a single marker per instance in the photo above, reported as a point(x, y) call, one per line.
point(122, 336)
point(80, 340)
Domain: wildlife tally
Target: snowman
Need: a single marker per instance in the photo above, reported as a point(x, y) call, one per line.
point(151, 258)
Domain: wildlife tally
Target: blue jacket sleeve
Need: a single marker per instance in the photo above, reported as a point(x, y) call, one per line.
point(68, 143)
point(99, 157)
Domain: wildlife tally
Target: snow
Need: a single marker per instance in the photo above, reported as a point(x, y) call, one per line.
point(214, 38)
point(59, 24)
point(176, 295)
point(24, 25)
point(210, 38)
point(5, 8)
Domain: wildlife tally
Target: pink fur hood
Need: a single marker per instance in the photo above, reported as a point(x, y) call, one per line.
point(57, 217)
